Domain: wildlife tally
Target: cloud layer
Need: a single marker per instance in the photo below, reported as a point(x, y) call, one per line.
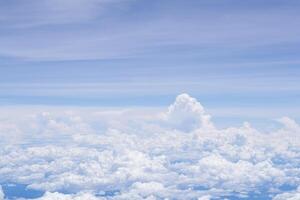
point(125, 154)
point(108, 29)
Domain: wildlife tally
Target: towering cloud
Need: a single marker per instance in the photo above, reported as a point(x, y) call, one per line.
point(187, 114)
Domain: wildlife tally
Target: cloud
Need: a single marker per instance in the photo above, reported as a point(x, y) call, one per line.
point(289, 123)
point(187, 114)
point(205, 198)
point(35, 13)
point(60, 196)
point(102, 154)
point(99, 29)
point(293, 195)
point(1, 194)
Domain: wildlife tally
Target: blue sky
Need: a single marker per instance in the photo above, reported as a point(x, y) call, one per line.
point(229, 54)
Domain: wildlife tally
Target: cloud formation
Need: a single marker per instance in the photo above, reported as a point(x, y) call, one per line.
point(1, 194)
point(293, 195)
point(128, 155)
point(187, 114)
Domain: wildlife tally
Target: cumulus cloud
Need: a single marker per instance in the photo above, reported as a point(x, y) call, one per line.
point(289, 123)
point(1, 194)
point(187, 114)
point(293, 195)
point(175, 154)
point(60, 196)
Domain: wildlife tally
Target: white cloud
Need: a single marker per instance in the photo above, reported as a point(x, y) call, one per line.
point(204, 197)
point(187, 114)
point(293, 195)
point(289, 123)
point(96, 154)
point(1, 194)
point(60, 196)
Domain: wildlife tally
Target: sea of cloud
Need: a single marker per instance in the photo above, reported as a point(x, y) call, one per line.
point(127, 154)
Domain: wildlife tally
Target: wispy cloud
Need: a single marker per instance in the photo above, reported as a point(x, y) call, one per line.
point(116, 33)
point(28, 14)
point(93, 49)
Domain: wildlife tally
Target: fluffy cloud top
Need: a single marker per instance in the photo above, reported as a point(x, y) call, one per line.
point(187, 114)
point(177, 154)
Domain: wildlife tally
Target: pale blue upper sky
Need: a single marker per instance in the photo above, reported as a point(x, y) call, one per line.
point(228, 54)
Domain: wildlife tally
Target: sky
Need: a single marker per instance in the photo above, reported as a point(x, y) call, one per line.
point(149, 99)
point(229, 54)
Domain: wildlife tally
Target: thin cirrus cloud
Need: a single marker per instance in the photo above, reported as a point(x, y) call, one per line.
point(109, 30)
point(29, 14)
point(97, 48)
